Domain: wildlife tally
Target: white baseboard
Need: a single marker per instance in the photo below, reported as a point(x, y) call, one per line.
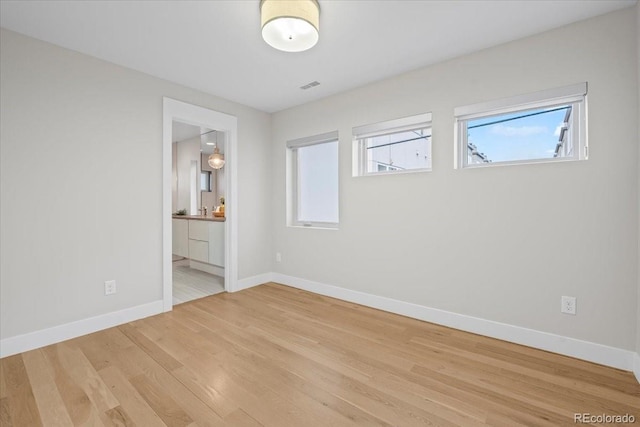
point(207, 268)
point(252, 281)
point(56, 334)
point(592, 352)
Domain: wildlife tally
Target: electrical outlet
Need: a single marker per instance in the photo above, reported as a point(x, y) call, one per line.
point(568, 305)
point(278, 257)
point(110, 287)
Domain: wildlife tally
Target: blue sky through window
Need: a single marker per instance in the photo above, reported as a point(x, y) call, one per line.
point(523, 138)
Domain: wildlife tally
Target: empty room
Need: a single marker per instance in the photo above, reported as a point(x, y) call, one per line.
point(319, 212)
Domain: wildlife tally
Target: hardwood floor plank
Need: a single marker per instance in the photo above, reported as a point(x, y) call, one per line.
point(50, 404)
point(149, 347)
point(196, 409)
point(103, 348)
point(84, 374)
point(79, 406)
point(131, 401)
point(311, 399)
point(136, 362)
point(5, 416)
point(117, 417)
point(207, 387)
point(239, 418)
point(3, 384)
point(23, 410)
point(163, 405)
point(278, 356)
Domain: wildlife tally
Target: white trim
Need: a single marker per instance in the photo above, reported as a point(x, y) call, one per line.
point(199, 116)
point(56, 334)
point(252, 281)
point(561, 94)
point(392, 126)
point(313, 140)
point(636, 366)
point(585, 350)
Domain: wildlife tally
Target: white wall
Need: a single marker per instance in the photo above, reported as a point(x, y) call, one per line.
point(96, 131)
point(486, 242)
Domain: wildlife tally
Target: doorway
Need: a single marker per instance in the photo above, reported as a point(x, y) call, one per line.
point(197, 247)
point(198, 212)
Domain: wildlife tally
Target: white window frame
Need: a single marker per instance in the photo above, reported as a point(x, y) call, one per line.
point(404, 124)
point(293, 192)
point(576, 95)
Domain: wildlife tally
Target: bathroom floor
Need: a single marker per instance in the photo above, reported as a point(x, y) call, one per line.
point(190, 284)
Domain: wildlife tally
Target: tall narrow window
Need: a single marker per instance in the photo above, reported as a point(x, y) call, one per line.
point(393, 146)
point(313, 170)
point(540, 127)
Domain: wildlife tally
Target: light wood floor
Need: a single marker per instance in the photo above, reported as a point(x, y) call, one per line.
point(277, 356)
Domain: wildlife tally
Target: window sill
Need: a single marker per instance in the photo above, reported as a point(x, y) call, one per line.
point(314, 226)
point(400, 172)
point(521, 162)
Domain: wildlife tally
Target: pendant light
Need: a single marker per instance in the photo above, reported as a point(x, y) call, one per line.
point(216, 160)
point(290, 25)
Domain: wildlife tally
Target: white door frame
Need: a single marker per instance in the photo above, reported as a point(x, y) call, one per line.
point(202, 117)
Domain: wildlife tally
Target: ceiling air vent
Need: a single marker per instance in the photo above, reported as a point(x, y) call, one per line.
point(310, 85)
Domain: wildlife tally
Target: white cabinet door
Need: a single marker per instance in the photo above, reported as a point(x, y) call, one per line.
point(199, 230)
point(216, 243)
point(198, 250)
point(180, 237)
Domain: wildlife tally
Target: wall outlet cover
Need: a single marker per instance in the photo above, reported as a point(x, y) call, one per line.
point(568, 305)
point(110, 287)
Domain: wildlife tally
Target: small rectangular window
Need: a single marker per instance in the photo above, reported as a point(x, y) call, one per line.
point(393, 146)
point(313, 178)
point(205, 181)
point(540, 127)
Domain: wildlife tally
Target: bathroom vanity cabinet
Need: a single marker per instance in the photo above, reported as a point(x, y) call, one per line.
point(201, 239)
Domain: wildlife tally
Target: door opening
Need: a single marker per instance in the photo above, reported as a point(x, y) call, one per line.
point(204, 245)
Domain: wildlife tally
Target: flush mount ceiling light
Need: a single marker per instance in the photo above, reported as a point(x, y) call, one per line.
point(216, 160)
point(290, 25)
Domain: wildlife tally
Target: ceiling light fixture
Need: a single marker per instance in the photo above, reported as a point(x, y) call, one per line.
point(216, 160)
point(290, 25)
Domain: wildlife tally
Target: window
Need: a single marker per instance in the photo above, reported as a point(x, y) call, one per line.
point(205, 181)
point(313, 178)
point(540, 127)
point(393, 146)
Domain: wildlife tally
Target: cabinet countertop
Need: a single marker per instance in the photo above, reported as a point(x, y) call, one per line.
point(200, 217)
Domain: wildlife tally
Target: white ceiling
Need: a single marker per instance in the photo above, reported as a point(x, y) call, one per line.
point(216, 46)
